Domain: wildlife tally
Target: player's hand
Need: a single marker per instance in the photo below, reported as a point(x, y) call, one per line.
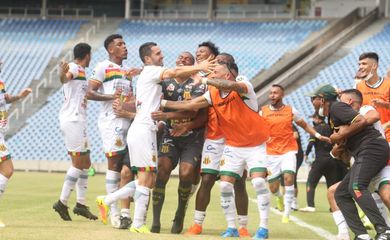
point(118, 93)
point(179, 129)
point(379, 102)
point(25, 92)
point(121, 113)
point(208, 65)
point(159, 116)
point(64, 67)
point(336, 138)
point(197, 79)
point(117, 104)
point(132, 72)
point(324, 139)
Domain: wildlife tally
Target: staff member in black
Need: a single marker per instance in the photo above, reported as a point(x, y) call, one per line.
point(324, 165)
point(370, 151)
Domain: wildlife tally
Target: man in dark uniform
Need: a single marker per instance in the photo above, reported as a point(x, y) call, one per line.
point(186, 148)
point(370, 151)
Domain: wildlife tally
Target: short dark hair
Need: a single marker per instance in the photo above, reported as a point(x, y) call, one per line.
point(228, 56)
point(278, 86)
point(191, 56)
point(371, 55)
point(355, 93)
point(146, 50)
point(81, 50)
point(110, 39)
point(210, 45)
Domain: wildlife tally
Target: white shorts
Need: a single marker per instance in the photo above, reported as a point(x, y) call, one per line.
point(142, 143)
point(4, 153)
point(236, 159)
point(278, 164)
point(113, 133)
point(211, 155)
point(75, 136)
point(382, 178)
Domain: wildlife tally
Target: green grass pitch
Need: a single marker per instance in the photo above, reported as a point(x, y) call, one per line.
point(26, 209)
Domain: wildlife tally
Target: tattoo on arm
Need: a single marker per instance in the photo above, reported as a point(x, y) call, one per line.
point(227, 85)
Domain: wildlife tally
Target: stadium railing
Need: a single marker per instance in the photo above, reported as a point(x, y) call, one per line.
point(57, 12)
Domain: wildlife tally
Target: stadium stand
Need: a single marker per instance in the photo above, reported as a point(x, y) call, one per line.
point(342, 72)
point(27, 45)
point(255, 46)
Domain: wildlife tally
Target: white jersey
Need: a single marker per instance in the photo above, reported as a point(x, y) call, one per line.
point(148, 94)
point(377, 125)
point(3, 109)
point(74, 107)
point(112, 76)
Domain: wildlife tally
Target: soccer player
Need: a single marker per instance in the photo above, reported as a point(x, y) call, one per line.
point(142, 133)
point(186, 148)
point(6, 166)
point(108, 78)
point(282, 146)
point(370, 152)
point(210, 164)
point(324, 164)
point(245, 139)
point(73, 123)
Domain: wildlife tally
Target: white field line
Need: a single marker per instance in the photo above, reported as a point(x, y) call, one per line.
point(317, 230)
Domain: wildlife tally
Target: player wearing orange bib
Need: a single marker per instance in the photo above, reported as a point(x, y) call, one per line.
point(244, 139)
point(375, 89)
point(282, 146)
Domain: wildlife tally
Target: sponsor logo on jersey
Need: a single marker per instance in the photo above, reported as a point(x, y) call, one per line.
point(165, 148)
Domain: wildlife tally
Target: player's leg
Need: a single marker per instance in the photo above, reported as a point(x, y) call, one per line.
point(313, 178)
point(274, 174)
point(256, 164)
point(288, 168)
point(383, 188)
point(294, 204)
point(241, 200)
point(143, 154)
point(164, 169)
point(211, 156)
point(6, 168)
point(338, 217)
point(126, 177)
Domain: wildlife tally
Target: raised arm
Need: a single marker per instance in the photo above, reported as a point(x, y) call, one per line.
point(65, 74)
point(93, 94)
point(227, 85)
point(358, 124)
point(187, 71)
point(24, 93)
point(193, 104)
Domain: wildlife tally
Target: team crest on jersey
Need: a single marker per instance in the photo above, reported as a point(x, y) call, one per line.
point(170, 89)
point(187, 94)
point(222, 162)
point(154, 158)
point(206, 160)
point(118, 142)
point(3, 148)
point(165, 148)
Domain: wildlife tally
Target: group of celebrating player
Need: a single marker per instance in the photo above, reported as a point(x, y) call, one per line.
point(203, 116)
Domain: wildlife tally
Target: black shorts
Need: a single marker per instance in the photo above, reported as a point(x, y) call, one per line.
point(186, 149)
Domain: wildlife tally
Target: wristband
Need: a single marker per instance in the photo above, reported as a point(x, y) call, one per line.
point(331, 154)
point(163, 102)
point(317, 135)
point(204, 80)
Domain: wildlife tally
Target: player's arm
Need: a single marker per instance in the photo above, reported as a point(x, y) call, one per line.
point(187, 71)
point(198, 122)
point(227, 85)
point(372, 117)
point(193, 104)
point(309, 129)
point(357, 124)
point(93, 94)
point(124, 109)
point(65, 74)
point(381, 103)
point(24, 93)
point(162, 116)
point(386, 125)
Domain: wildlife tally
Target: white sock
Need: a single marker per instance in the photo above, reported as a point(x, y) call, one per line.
point(81, 187)
point(125, 212)
point(3, 184)
point(288, 198)
point(199, 217)
point(124, 192)
point(112, 184)
point(70, 180)
point(340, 222)
point(242, 221)
point(141, 200)
point(263, 198)
point(193, 189)
point(381, 206)
point(227, 203)
point(364, 236)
